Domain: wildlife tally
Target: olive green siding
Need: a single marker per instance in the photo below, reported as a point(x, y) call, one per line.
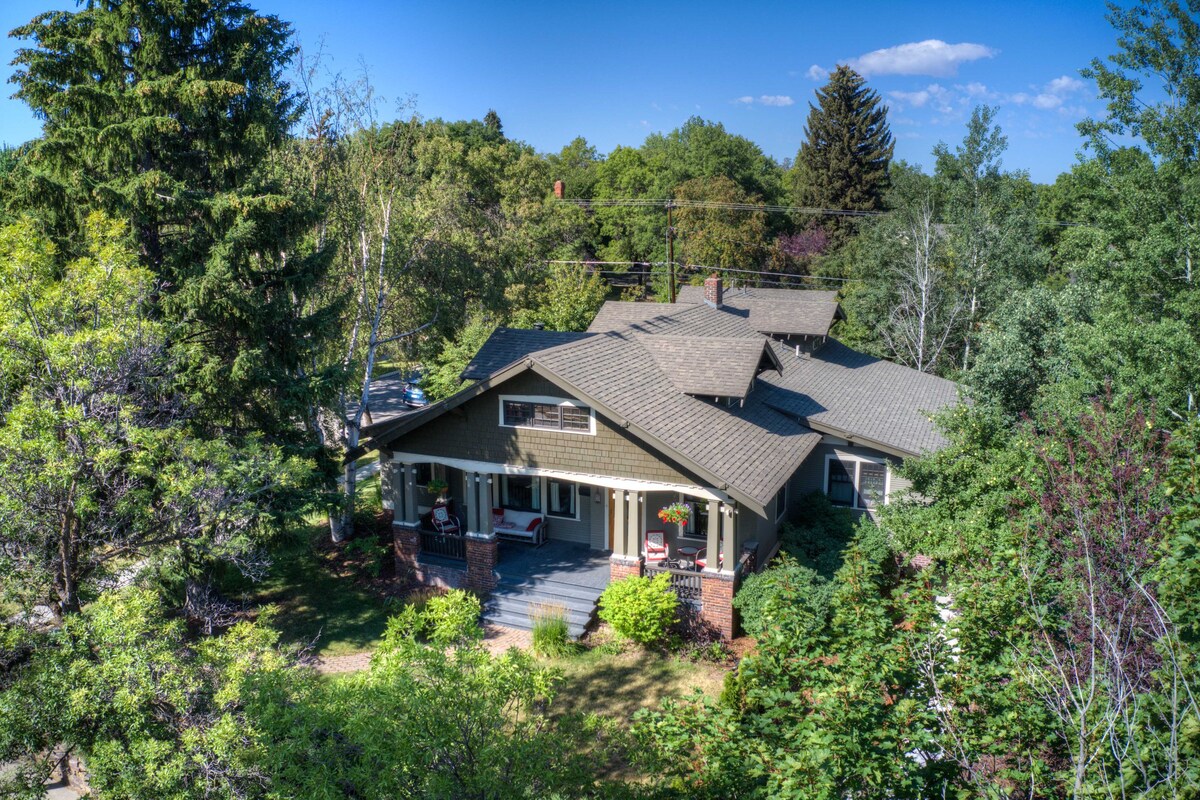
point(810, 477)
point(473, 432)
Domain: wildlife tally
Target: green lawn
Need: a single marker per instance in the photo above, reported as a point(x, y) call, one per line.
point(321, 595)
point(617, 685)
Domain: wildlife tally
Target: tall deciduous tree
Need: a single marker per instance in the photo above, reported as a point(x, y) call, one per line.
point(164, 114)
point(991, 226)
point(100, 468)
point(843, 162)
point(1152, 86)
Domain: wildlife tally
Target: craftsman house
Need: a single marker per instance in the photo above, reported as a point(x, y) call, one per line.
point(543, 478)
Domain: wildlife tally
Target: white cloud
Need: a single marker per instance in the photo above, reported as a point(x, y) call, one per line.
point(817, 73)
point(777, 100)
point(934, 95)
point(930, 57)
point(975, 89)
point(1064, 85)
point(1057, 91)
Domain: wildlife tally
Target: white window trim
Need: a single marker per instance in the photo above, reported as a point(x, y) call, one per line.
point(552, 401)
point(546, 494)
point(781, 510)
point(887, 477)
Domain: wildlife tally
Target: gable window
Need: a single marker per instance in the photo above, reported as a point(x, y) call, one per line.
point(855, 482)
point(521, 492)
point(561, 499)
point(545, 413)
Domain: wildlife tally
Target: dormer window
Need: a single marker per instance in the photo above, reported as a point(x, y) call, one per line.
point(546, 413)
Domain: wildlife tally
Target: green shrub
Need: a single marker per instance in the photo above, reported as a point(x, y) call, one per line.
point(786, 594)
point(551, 633)
point(641, 609)
point(452, 617)
point(374, 550)
point(819, 534)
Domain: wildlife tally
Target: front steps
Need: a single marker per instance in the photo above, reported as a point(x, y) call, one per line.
point(515, 600)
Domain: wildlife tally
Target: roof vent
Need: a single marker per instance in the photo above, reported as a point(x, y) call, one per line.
point(713, 290)
point(539, 326)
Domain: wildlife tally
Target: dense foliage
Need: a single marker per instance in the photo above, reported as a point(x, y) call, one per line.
point(215, 246)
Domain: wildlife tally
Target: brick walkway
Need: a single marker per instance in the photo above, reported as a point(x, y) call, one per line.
point(496, 638)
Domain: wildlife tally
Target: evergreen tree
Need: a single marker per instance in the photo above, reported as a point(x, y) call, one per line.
point(166, 115)
point(843, 163)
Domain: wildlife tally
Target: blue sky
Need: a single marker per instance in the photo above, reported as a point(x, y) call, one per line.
point(615, 72)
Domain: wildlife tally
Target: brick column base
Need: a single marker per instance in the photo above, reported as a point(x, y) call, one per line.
point(716, 595)
point(407, 545)
point(624, 567)
point(482, 551)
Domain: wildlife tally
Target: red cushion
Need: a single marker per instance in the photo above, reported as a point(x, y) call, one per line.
point(533, 523)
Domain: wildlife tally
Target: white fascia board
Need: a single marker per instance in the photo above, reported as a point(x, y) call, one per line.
point(609, 481)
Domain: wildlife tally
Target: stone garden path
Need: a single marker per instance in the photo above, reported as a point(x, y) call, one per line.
point(497, 639)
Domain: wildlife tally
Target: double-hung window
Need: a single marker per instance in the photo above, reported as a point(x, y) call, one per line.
point(855, 483)
point(545, 414)
point(561, 497)
point(521, 492)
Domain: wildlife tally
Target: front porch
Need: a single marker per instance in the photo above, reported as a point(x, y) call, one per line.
point(593, 531)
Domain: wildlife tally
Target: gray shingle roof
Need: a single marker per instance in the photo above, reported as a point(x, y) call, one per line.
point(706, 366)
point(640, 363)
point(678, 319)
point(751, 448)
point(764, 311)
point(842, 390)
point(507, 345)
point(695, 294)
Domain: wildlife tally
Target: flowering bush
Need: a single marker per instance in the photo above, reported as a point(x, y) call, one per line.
point(676, 513)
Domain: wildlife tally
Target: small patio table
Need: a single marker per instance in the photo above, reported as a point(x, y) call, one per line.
point(687, 556)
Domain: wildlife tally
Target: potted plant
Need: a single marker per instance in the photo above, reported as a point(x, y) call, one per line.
point(676, 513)
point(437, 486)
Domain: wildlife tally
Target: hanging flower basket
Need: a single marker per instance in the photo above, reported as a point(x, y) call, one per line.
point(676, 513)
point(437, 486)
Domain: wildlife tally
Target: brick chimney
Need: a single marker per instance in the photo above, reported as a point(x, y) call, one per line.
point(560, 189)
point(712, 290)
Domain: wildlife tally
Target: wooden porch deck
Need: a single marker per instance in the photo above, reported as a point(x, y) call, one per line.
point(555, 561)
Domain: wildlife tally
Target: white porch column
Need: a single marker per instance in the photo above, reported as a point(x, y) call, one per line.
point(633, 524)
point(619, 507)
point(712, 548)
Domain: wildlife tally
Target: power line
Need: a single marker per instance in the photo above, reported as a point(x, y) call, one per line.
point(639, 202)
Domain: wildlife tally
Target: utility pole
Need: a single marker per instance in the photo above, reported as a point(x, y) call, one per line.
point(670, 253)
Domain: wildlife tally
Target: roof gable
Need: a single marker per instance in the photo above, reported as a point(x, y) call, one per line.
point(709, 366)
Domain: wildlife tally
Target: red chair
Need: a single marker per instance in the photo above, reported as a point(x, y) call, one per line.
point(701, 558)
point(443, 521)
point(656, 545)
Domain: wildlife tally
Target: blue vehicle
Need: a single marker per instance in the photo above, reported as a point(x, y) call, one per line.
point(414, 395)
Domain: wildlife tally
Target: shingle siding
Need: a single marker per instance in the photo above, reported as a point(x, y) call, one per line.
point(473, 432)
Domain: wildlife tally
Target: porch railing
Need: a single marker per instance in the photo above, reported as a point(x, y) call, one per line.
point(446, 545)
point(685, 582)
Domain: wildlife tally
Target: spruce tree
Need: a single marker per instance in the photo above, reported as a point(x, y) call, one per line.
point(165, 114)
point(843, 162)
